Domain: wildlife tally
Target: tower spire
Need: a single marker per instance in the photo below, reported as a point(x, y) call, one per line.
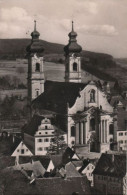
point(34, 25)
point(72, 25)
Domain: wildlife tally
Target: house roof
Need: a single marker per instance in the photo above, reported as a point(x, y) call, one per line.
point(58, 96)
point(68, 155)
point(78, 163)
point(19, 184)
point(38, 169)
point(71, 170)
point(57, 160)
point(30, 144)
point(35, 122)
point(86, 162)
point(44, 160)
point(111, 165)
point(32, 126)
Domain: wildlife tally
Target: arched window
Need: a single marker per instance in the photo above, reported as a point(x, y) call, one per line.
point(37, 67)
point(72, 131)
point(75, 66)
point(37, 92)
point(92, 124)
point(92, 95)
point(111, 129)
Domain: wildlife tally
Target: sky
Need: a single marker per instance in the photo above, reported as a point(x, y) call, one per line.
point(101, 25)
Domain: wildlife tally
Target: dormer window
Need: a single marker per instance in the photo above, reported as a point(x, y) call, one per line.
point(92, 96)
point(37, 69)
point(75, 66)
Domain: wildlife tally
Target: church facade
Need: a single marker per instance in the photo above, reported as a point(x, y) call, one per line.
point(80, 109)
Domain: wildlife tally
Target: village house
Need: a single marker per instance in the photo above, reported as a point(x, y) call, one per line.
point(110, 175)
point(43, 137)
point(88, 168)
point(22, 148)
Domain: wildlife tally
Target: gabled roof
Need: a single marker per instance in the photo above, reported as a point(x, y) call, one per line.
point(67, 156)
point(38, 169)
point(58, 186)
point(57, 160)
point(44, 160)
point(86, 162)
point(71, 170)
point(78, 163)
point(57, 96)
point(32, 126)
point(111, 165)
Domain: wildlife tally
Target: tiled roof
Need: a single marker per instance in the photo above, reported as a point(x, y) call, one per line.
point(30, 143)
point(111, 165)
point(86, 162)
point(38, 169)
point(32, 126)
point(56, 159)
point(15, 144)
point(78, 163)
point(67, 156)
point(57, 96)
point(47, 186)
point(44, 160)
point(71, 170)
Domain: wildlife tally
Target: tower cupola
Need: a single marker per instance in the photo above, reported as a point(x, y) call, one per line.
point(72, 58)
point(35, 34)
point(72, 46)
point(35, 46)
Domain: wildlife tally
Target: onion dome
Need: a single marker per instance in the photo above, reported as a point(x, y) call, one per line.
point(72, 46)
point(35, 45)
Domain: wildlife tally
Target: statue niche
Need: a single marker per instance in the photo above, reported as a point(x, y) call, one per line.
point(92, 96)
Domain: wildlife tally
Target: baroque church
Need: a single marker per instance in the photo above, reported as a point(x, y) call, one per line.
point(81, 110)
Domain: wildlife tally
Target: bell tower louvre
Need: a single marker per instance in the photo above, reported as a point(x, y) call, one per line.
point(72, 58)
point(35, 66)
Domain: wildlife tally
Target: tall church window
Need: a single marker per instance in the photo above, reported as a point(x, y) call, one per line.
point(37, 67)
point(72, 131)
point(92, 124)
point(111, 129)
point(75, 66)
point(92, 96)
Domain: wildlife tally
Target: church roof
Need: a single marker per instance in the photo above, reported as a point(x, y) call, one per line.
point(58, 96)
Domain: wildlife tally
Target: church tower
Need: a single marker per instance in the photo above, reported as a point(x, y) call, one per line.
point(35, 66)
point(72, 59)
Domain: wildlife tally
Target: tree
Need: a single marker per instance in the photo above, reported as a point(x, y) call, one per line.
point(57, 144)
